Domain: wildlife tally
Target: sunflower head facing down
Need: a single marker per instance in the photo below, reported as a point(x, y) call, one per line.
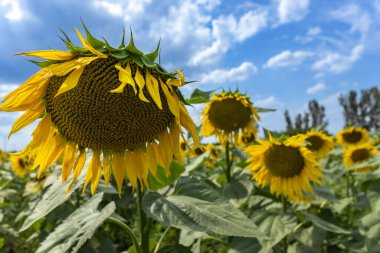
point(228, 114)
point(115, 102)
point(359, 153)
point(319, 143)
point(286, 166)
point(352, 136)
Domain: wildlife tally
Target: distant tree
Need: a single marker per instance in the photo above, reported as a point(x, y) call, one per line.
point(363, 111)
point(313, 118)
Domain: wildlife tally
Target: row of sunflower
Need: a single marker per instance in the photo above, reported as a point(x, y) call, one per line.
point(105, 111)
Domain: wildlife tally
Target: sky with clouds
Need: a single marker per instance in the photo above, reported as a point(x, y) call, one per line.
point(282, 53)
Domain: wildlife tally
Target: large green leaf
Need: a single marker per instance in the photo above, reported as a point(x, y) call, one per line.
point(197, 206)
point(161, 179)
point(318, 222)
point(243, 245)
point(54, 196)
point(76, 229)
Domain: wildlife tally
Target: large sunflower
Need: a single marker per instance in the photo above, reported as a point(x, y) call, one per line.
point(286, 166)
point(228, 114)
point(358, 153)
point(319, 143)
point(116, 102)
point(352, 136)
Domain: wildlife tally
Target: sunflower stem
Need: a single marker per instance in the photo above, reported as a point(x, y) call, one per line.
point(228, 162)
point(129, 232)
point(348, 195)
point(285, 239)
point(144, 223)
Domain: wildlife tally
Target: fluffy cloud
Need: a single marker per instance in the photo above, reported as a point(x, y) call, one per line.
point(316, 88)
point(227, 30)
point(338, 63)
point(287, 59)
point(240, 73)
point(13, 10)
point(269, 102)
point(291, 10)
point(126, 9)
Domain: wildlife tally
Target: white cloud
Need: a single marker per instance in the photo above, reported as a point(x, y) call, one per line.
point(227, 30)
point(291, 10)
point(356, 17)
point(338, 63)
point(287, 59)
point(128, 9)
point(14, 11)
point(269, 102)
point(310, 35)
point(240, 73)
point(314, 31)
point(316, 88)
point(6, 88)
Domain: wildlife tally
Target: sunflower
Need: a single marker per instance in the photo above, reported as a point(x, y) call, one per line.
point(3, 156)
point(359, 153)
point(286, 166)
point(215, 152)
point(115, 102)
point(352, 136)
point(227, 114)
point(198, 150)
point(319, 143)
point(20, 164)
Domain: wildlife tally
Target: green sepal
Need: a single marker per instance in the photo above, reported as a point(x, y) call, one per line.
point(180, 96)
point(97, 44)
point(153, 56)
point(122, 44)
point(137, 60)
point(198, 96)
point(43, 64)
point(64, 34)
point(132, 48)
point(147, 62)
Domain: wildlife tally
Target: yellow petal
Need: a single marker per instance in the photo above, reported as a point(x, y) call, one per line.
point(88, 177)
point(172, 100)
point(125, 77)
point(52, 152)
point(61, 69)
point(153, 89)
point(151, 160)
point(188, 124)
point(176, 82)
point(55, 55)
point(70, 82)
point(96, 171)
point(139, 78)
point(88, 46)
point(167, 155)
point(78, 167)
point(68, 161)
point(130, 169)
point(106, 168)
point(118, 165)
point(27, 118)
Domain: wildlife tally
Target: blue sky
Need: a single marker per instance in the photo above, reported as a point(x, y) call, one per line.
point(281, 52)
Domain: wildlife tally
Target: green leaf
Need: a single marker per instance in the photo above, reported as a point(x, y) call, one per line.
point(176, 248)
point(199, 96)
point(318, 222)
point(122, 44)
point(197, 162)
point(53, 197)
point(161, 180)
point(243, 245)
point(147, 62)
point(76, 229)
point(190, 213)
point(97, 44)
point(262, 110)
point(238, 188)
point(132, 48)
point(153, 56)
point(43, 64)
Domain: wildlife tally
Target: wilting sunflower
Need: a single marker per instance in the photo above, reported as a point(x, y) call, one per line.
point(228, 114)
point(352, 136)
point(116, 102)
point(359, 153)
point(286, 166)
point(20, 164)
point(319, 143)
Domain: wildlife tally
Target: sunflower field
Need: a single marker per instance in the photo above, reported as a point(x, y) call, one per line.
point(116, 164)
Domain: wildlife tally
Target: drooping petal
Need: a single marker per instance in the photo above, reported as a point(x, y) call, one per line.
point(78, 167)
point(139, 78)
point(153, 89)
point(118, 166)
point(130, 168)
point(106, 168)
point(55, 55)
point(96, 169)
point(28, 117)
point(172, 100)
point(188, 124)
point(70, 82)
point(88, 46)
point(125, 77)
point(68, 161)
